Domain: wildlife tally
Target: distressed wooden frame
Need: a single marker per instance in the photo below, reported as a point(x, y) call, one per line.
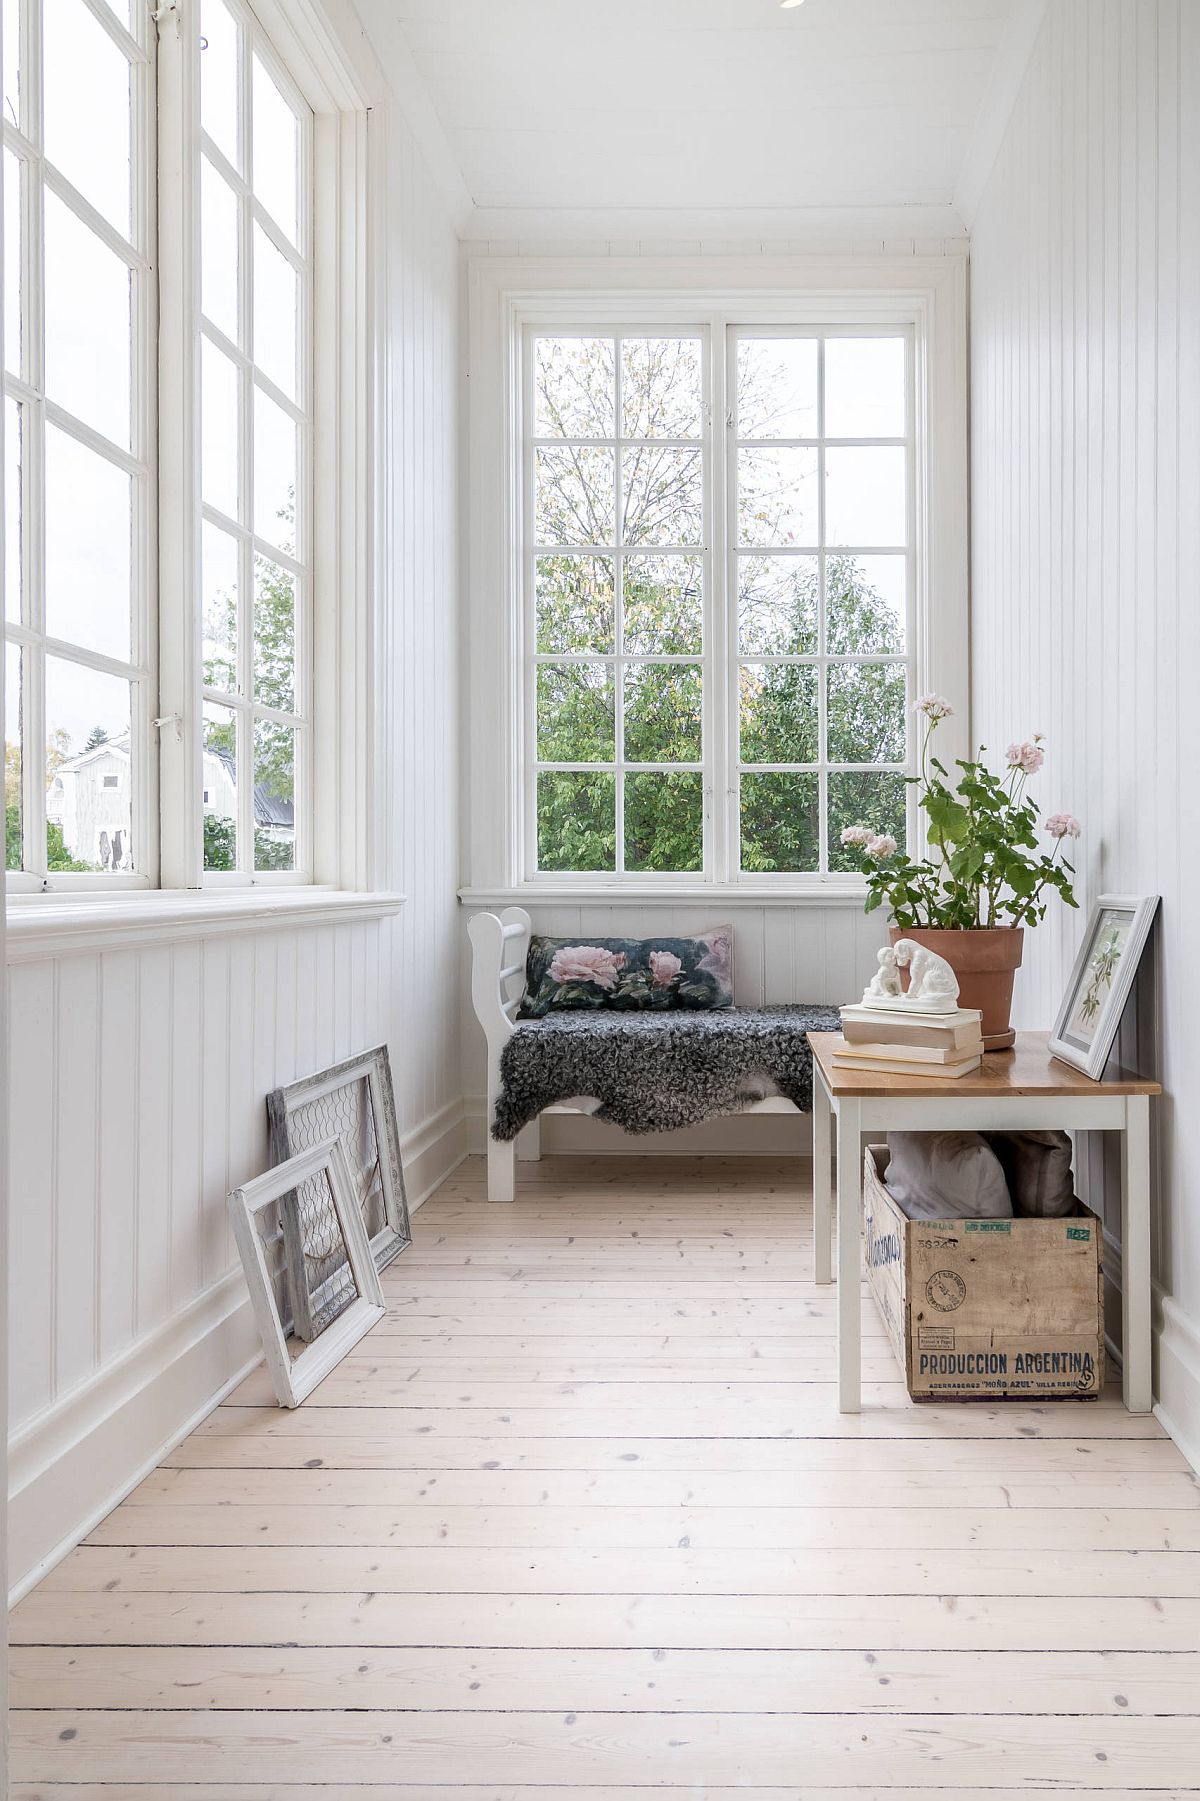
point(294, 1378)
point(1092, 1059)
point(372, 1071)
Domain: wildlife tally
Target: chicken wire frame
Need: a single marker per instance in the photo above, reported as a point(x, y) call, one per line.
point(294, 1378)
point(367, 1080)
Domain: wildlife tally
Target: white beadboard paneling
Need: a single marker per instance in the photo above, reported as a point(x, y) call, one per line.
point(139, 1074)
point(1085, 331)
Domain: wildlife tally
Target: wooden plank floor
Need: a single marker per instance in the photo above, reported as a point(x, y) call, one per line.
point(580, 1518)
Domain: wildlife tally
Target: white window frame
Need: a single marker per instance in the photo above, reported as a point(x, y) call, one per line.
point(339, 83)
point(38, 175)
point(925, 296)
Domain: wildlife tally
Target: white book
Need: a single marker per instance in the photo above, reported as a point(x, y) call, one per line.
point(911, 1053)
point(892, 1066)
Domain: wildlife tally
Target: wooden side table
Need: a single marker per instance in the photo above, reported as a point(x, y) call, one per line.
point(1024, 1089)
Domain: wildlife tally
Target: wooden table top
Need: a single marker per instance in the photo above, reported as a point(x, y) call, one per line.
point(1027, 1069)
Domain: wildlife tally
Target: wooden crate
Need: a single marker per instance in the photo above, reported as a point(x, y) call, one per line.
point(986, 1309)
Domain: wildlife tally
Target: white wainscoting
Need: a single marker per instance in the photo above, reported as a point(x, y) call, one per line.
point(138, 1075)
point(1085, 333)
point(806, 952)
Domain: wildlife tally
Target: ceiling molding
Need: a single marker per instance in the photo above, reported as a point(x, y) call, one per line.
point(407, 86)
point(1008, 73)
point(684, 228)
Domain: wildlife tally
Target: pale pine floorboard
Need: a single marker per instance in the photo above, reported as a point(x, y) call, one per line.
point(580, 1518)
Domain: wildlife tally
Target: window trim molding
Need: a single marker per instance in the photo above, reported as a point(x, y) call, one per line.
point(343, 474)
point(505, 296)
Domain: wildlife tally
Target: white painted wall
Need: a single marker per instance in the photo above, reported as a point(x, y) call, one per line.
point(139, 1074)
point(1085, 321)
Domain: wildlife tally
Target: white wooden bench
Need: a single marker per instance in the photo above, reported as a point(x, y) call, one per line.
point(499, 949)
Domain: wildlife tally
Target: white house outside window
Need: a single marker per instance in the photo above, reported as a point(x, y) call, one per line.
point(718, 568)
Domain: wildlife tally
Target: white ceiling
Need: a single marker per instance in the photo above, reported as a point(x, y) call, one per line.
point(701, 112)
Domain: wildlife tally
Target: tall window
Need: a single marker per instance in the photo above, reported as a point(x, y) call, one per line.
point(115, 142)
point(256, 437)
point(718, 619)
point(79, 432)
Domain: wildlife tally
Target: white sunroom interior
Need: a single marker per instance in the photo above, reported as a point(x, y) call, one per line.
point(465, 455)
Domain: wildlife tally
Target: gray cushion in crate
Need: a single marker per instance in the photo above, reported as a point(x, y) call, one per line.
point(946, 1175)
point(1037, 1168)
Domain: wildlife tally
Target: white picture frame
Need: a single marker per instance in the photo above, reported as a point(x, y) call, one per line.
point(1090, 1013)
point(294, 1377)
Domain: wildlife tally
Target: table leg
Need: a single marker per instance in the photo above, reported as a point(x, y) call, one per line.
point(1137, 1371)
point(849, 1291)
point(822, 1188)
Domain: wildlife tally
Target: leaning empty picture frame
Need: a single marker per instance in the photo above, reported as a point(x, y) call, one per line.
point(1105, 967)
point(352, 1101)
point(352, 1299)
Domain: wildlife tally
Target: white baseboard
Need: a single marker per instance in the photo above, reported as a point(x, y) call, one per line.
point(1178, 1384)
point(71, 1466)
point(731, 1135)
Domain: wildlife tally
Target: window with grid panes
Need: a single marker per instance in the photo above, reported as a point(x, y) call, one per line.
point(721, 685)
point(83, 190)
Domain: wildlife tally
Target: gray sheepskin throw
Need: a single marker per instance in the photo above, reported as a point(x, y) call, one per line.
point(654, 1072)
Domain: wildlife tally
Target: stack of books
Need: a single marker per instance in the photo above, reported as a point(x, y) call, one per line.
point(911, 1044)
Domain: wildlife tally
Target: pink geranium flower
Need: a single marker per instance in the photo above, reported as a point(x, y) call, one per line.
point(881, 846)
point(1028, 756)
point(933, 707)
point(1063, 825)
point(586, 963)
point(857, 834)
point(664, 967)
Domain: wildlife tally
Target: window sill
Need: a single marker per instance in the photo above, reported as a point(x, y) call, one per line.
point(41, 926)
point(832, 891)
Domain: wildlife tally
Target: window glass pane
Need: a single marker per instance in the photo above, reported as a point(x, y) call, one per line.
point(276, 150)
point(664, 821)
point(13, 508)
point(12, 61)
point(219, 779)
point(864, 387)
point(276, 314)
point(276, 447)
point(663, 713)
point(779, 721)
point(274, 789)
point(777, 605)
point(574, 602)
point(663, 608)
point(865, 605)
point(777, 387)
point(12, 262)
point(576, 814)
point(14, 806)
point(865, 501)
point(86, 106)
point(575, 713)
point(274, 635)
point(663, 496)
point(88, 345)
point(574, 388)
point(219, 429)
point(575, 501)
point(88, 818)
point(88, 549)
point(862, 798)
point(866, 713)
point(219, 79)
point(781, 823)
point(219, 575)
point(660, 387)
point(219, 251)
point(777, 497)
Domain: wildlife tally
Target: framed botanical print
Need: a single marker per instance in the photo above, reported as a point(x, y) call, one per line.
point(353, 1102)
point(1101, 980)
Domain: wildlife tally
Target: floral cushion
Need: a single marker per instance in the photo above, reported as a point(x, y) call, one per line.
point(629, 973)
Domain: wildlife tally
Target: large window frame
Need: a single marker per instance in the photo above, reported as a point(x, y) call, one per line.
point(334, 712)
point(924, 294)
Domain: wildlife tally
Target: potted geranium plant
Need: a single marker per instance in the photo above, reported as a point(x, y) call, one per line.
point(987, 876)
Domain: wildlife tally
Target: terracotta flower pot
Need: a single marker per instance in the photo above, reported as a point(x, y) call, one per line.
point(985, 962)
